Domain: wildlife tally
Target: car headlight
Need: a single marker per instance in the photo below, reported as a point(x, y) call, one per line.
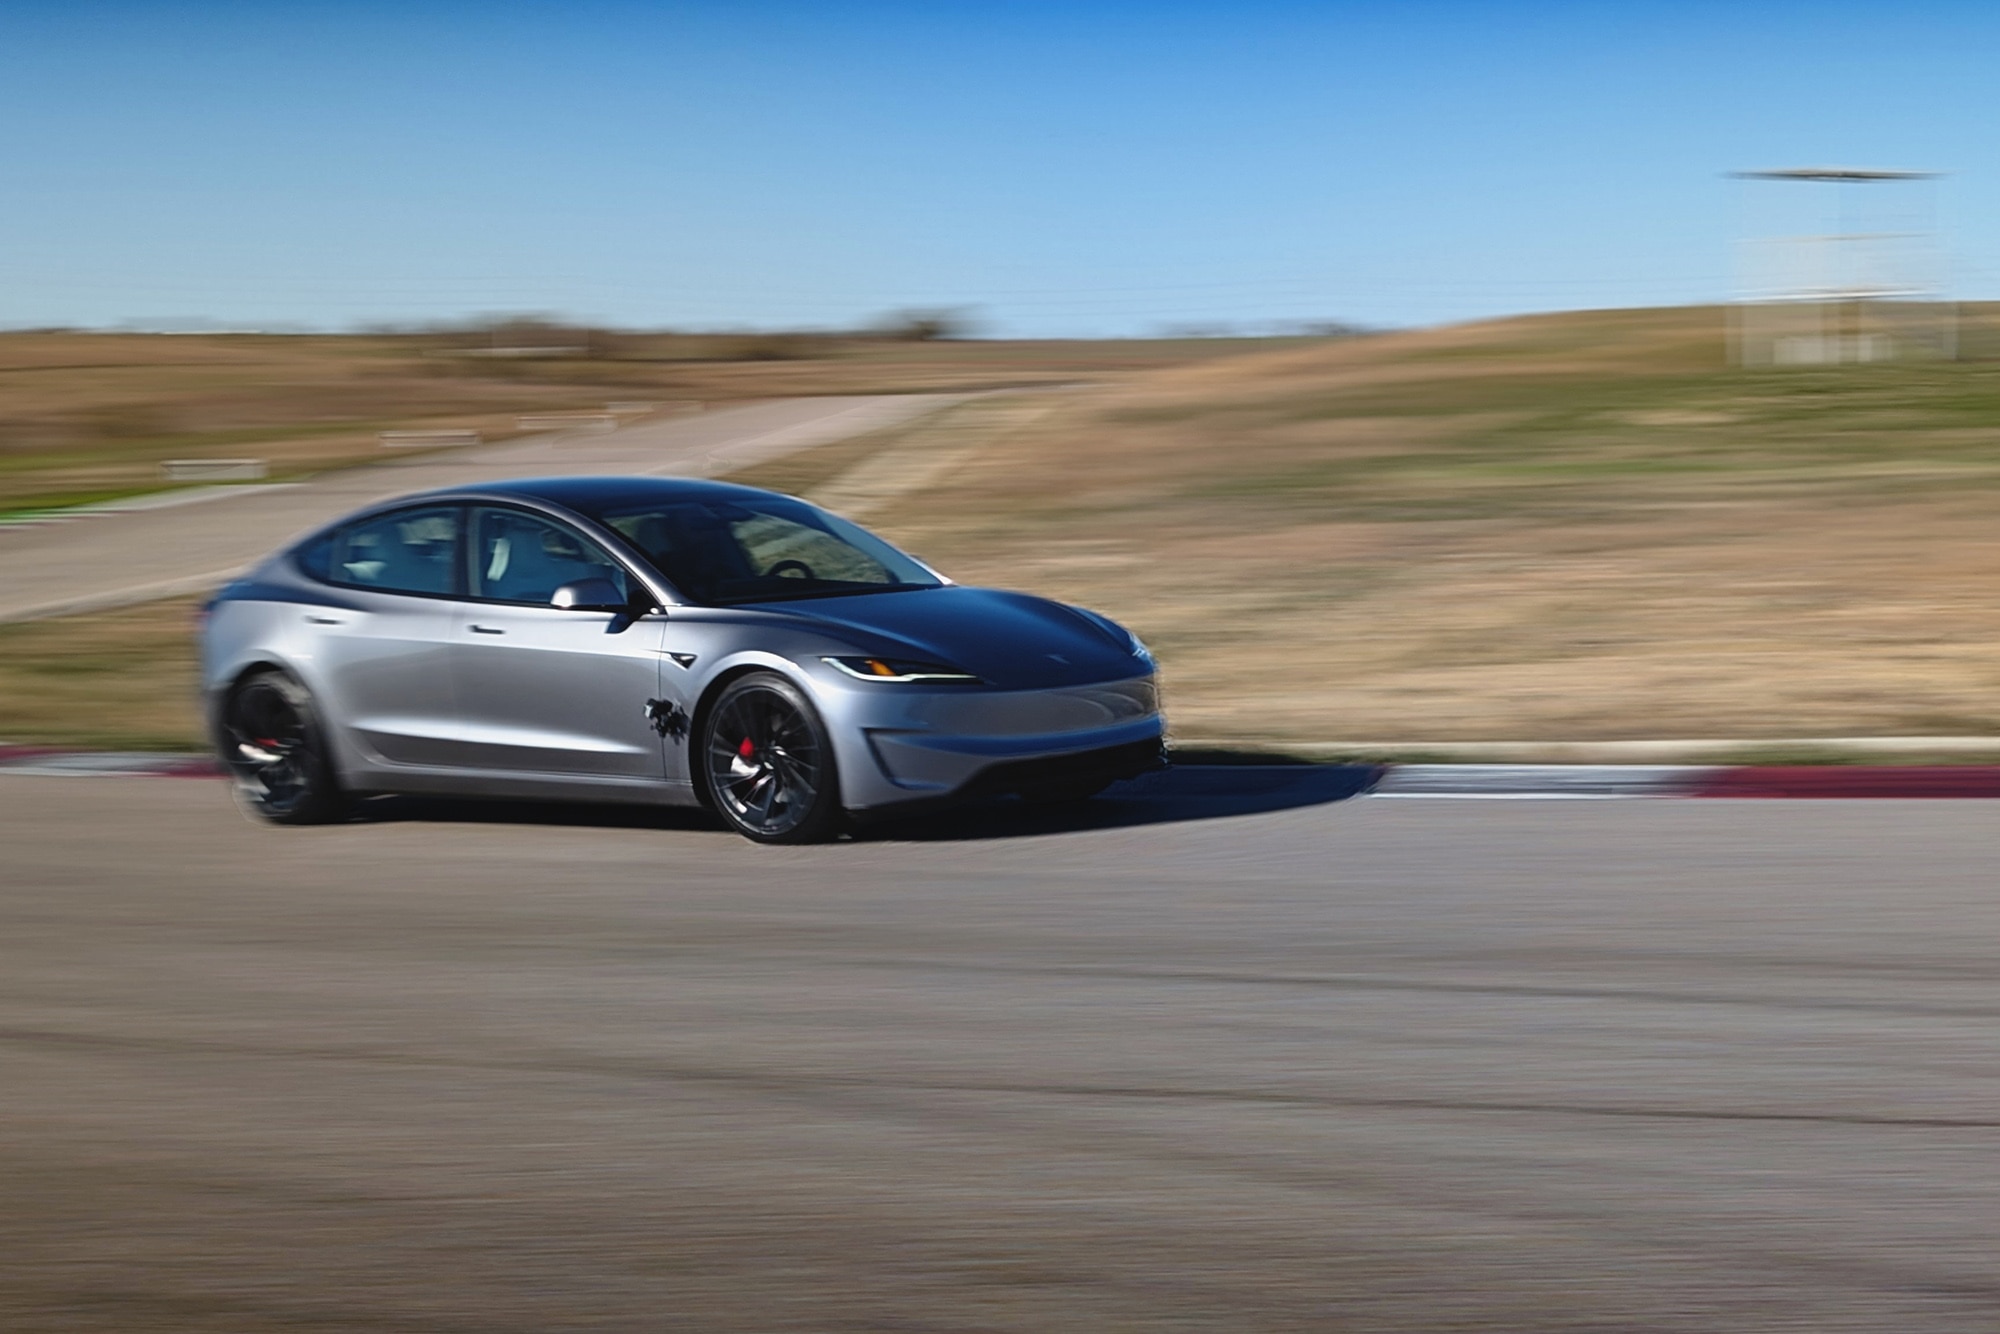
point(1118, 634)
point(891, 671)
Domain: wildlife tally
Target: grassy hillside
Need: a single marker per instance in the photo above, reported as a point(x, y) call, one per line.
point(1582, 525)
point(85, 416)
point(1567, 526)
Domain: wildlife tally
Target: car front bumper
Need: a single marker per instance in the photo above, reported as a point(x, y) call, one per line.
point(923, 745)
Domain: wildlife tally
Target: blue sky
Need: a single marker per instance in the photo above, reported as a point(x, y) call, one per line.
point(1074, 168)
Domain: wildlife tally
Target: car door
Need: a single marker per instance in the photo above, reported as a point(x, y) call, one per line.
point(382, 655)
point(544, 690)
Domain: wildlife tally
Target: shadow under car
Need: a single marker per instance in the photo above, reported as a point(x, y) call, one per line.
point(1179, 792)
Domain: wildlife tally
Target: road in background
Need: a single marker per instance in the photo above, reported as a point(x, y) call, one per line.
point(114, 558)
point(1365, 1065)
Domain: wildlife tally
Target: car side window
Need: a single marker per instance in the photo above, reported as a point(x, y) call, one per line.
point(518, 557)
point(406, 551)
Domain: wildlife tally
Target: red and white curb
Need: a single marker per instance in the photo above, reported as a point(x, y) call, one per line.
point(40, 762)
point(1540, 782)
point(1544, 781)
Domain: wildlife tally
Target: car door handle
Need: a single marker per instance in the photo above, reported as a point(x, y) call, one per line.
point(325, 620)
point(486, 630)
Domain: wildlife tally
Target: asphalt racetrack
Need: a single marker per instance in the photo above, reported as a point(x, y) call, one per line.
point(1229, 1053)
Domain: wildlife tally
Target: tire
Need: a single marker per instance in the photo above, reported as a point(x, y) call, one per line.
point(272, 741)
point(766, 763)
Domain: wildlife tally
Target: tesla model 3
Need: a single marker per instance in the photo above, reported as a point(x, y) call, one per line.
point(656, 640)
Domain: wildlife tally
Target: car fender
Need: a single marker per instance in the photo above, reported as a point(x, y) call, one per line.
point(848, 751)
point(244, 635)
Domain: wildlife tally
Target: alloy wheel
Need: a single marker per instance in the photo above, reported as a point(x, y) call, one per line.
point(271, 745)
point(767, 766)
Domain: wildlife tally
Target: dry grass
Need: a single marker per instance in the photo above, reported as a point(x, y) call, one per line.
point(1578, 526)
point(87, 416)
point(122, 678)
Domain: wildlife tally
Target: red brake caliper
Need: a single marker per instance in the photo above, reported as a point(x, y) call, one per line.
point(746, 750)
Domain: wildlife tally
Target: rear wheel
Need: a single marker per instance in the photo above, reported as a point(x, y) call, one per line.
point(768, 764)
point(272, 741)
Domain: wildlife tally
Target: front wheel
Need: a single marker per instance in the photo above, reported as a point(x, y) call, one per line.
point(271, 739)
point(768, 763)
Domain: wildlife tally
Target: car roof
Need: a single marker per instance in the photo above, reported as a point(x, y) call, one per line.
point(588, 493)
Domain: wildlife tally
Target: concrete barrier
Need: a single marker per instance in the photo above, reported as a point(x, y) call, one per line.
point(214, 470)
point(568, 421)
point(437, 439)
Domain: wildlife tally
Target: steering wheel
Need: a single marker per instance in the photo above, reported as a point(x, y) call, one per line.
point(785, 566)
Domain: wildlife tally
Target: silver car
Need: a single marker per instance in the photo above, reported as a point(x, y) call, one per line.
point(656, 640)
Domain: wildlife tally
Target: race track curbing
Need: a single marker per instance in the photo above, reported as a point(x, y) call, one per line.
point(1489, 781)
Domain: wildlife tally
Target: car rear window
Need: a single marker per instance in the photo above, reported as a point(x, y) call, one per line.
point(404, 551)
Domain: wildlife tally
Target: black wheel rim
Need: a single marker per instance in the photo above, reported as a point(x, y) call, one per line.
point(763, 762)
point(270, 747)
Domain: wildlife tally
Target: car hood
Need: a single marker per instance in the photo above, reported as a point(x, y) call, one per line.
point(1010, 640)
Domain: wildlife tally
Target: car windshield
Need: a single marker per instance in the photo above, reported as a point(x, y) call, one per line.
point(761, 549)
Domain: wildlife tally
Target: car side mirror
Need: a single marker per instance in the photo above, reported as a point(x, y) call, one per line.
point(590, 595)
